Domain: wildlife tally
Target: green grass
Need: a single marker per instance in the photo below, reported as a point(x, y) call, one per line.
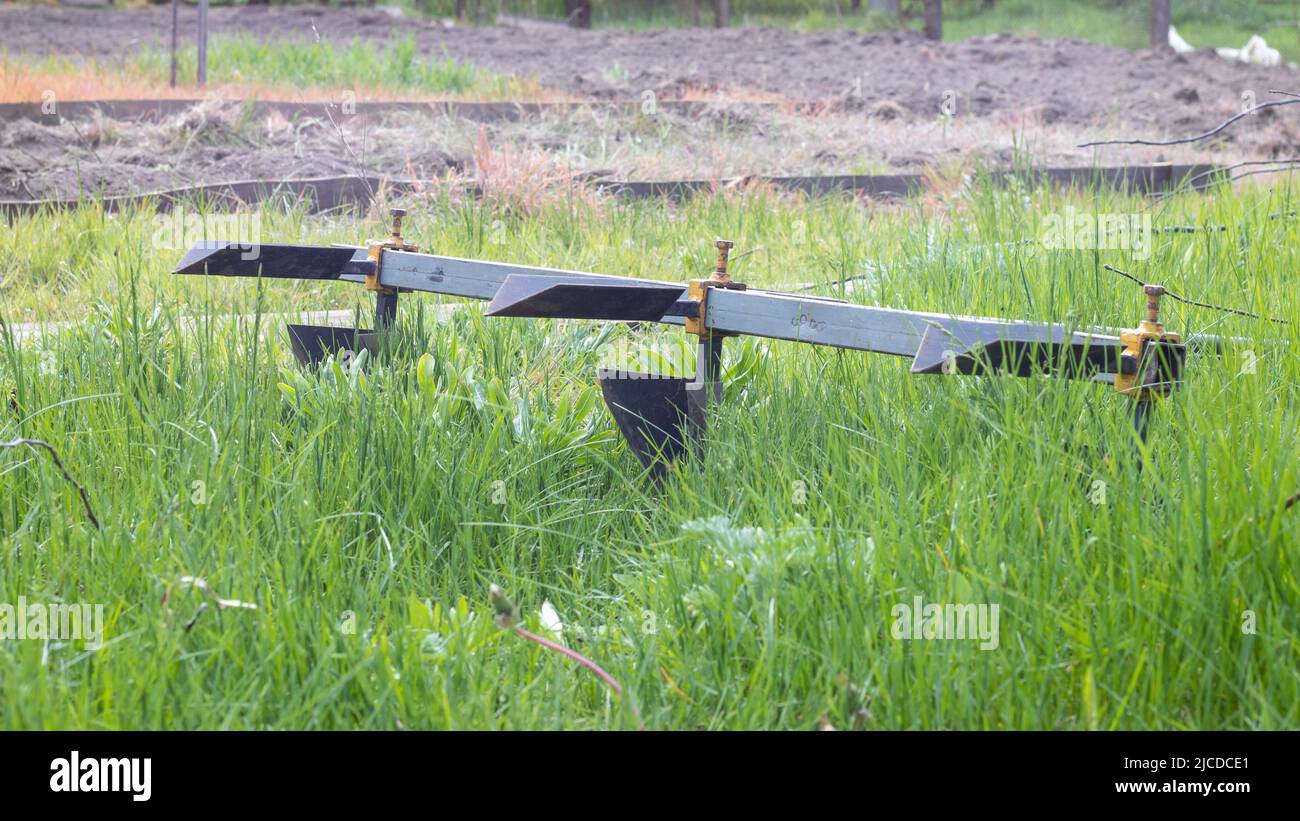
point(254, 65)
point(361, 65)
point(1203, 23)
point(478, 452)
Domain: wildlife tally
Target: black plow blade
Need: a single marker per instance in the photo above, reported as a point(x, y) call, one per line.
point(656, 415)
point(1162, 365)
point(550, 297)
point(230, 259)
point(964, 347)
point(313, 343)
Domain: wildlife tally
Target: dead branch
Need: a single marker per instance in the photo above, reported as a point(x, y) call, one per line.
point(201, 585)
point(40, 444)
point(1273, 170)
point(360, 166)
point(1198, 137)
point(1228, 169)
point(507, 617)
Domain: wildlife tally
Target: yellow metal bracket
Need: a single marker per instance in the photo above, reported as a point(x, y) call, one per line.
point(1133, 366)
point(393, 243)
point(698, 290)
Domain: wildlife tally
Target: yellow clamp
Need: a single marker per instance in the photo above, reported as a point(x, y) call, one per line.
point(698, 289)
point(1135, 341)
point(393, 243)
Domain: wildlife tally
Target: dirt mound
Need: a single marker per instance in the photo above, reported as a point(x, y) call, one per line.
point(1068, 81)
point(879, 103)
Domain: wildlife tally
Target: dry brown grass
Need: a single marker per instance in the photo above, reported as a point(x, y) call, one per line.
point(737, 94)
point(526, 181)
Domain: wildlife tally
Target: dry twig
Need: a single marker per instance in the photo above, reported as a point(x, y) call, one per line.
point(201, 585)
point(1220, 127)
point(507, 617)
point(58, 463)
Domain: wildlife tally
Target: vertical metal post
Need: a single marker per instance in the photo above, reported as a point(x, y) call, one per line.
point(175, 23)
point(1141, 418)
point(203, 43)
point(705, 389)
point(385, 310)
point(386, 298)
point(708, 364)
point(709, 357)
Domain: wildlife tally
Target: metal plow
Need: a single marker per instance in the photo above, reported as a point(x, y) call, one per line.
point(662, 418)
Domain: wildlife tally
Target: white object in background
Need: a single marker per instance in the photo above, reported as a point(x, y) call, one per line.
point(550, 619)
point(1256, 51)
point(1177, 43)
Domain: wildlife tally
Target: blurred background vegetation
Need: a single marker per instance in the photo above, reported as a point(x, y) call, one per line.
point(1122, 23)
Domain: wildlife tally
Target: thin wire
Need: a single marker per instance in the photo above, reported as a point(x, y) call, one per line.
point(1187, 301)
point(1125, 274)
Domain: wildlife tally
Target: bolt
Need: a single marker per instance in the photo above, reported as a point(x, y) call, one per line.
point(397, 214)
point(724, 247)
point(1153, 292)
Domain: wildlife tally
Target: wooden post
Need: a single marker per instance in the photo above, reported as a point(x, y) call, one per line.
point(203, 43)
point(721, 14)
point(578, 13)
point(934, 19)
point(1159, 23)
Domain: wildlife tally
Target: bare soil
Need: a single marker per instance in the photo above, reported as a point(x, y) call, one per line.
point(1070, 81)
point(878, 102)
point(212, 142)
